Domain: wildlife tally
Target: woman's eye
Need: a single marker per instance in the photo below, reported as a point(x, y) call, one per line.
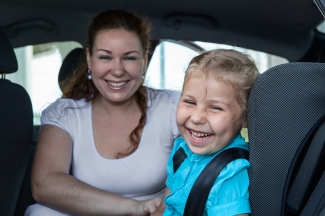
point(130, 58)
point(103, 57)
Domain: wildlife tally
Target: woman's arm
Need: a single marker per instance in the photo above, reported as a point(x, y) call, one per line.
point(52, 186)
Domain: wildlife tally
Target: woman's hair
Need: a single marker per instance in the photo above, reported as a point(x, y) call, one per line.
point(78, 86)
point(229, 66)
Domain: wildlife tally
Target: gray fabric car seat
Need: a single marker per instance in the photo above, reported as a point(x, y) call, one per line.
point(285, 104)
point(16, 130)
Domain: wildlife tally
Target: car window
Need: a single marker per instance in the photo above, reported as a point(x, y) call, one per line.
point(321, 27)
point(38, 69)
point(39, 66)
point(167, 66)
point(170, 59)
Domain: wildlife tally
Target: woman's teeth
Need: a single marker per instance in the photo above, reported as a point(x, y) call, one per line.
point(117, 84)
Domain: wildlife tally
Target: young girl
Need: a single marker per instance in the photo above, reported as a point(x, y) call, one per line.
point(210, 115)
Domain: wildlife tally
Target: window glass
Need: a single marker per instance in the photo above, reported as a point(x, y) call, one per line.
point(262, 60)
point(38, 69)
point(167, 66)
point(39, 66)
point(321, 27)
point(170, 60)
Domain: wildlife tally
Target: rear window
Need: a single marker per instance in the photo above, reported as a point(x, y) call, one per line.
point(39, 67)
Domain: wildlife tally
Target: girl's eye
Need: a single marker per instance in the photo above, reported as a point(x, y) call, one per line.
point(189, 102)
point(216, 108)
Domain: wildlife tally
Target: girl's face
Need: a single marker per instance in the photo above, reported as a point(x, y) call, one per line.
point(117, 64)
point(208, 114)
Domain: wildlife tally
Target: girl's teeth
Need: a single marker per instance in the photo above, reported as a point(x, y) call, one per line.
point(199, 136)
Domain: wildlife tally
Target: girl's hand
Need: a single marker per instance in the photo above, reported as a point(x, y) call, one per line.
point(146, 207)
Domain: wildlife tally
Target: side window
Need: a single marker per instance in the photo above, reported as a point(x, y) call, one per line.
point(167, 66)
point(262, 60)
point(170, 60)
point(38, 69)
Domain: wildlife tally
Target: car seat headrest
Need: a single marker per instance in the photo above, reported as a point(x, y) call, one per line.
point(8, 60)
point(70, 63)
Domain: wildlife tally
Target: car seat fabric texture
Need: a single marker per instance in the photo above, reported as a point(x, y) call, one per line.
point(284, 104)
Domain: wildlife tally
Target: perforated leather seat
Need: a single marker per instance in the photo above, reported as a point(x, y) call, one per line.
point(16, 130)
point(284, 105)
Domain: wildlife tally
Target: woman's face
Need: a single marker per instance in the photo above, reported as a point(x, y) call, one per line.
point(117, 64)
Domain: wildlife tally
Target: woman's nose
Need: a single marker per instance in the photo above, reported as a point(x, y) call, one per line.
point(118, 69)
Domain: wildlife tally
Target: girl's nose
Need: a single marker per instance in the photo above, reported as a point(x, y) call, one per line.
point(198, 116)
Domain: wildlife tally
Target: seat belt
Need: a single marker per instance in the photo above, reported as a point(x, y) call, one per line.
point(316, 203)
point(199, 193)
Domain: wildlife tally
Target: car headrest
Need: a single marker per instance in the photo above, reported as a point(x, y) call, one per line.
point(70, 63)
point(8, 60)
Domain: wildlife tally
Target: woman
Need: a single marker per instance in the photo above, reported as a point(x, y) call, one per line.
point(116, 133)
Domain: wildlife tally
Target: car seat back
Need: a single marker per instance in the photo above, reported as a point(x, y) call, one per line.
point(285, 104)
point(70, 63)
point(16, 130)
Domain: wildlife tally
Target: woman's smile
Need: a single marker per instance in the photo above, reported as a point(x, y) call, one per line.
point(117, 85)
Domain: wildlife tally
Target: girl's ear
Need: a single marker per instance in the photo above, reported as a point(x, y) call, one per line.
point(244, 124)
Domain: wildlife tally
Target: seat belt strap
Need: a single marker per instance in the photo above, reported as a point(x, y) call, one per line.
point(199, 193)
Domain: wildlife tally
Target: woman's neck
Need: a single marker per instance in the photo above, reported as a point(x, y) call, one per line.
point(104, 106)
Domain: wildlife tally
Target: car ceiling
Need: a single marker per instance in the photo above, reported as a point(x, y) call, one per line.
point(284, 28)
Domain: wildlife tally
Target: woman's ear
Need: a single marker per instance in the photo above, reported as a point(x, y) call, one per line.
point(88, 58)
point(146, 61)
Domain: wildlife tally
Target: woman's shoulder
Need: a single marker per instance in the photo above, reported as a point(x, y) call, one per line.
point(62, 104)
point(65, 111)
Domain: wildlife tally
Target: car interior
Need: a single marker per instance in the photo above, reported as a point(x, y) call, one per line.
point(41, 42)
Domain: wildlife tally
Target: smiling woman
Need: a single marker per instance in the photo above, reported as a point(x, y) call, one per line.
point(116, 133)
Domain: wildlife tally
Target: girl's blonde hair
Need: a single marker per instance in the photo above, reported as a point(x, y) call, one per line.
point(229, 66)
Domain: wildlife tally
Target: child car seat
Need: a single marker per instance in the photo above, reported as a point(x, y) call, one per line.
point(286, 106)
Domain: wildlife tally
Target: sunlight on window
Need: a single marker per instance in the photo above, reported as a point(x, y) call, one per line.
point(38, 70)
point(170, 60)
point(262, 60)
point(44, 90)
point(168, 65)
